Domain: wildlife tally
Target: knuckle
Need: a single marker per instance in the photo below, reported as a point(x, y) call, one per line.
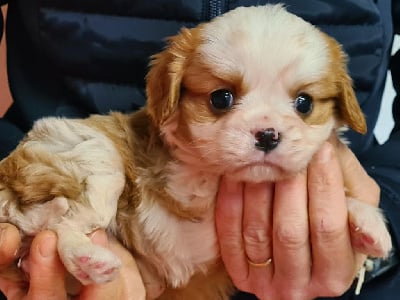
point(328, 230)
point(254, 235)
point(334, 287)
point(320, 183)
point(293, 237)
point(256, 243)
point(229, 240)
point(242, 283)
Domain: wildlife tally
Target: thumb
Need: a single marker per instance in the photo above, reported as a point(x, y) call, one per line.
point(9, 244)
point(47, 274)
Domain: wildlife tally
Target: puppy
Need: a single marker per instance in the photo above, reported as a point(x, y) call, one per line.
point(251, 95)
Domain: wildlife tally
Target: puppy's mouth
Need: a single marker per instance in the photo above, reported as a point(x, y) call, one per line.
point(258, 171)
point(262, 164)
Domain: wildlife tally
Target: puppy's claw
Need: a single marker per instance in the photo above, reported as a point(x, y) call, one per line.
point(369, 234)
point(371, 244)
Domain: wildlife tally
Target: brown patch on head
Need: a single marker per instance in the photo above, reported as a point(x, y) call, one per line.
point(166, 71)
point(333, 94)
point(180, 76)
point(322, 100)
point(199, 82)
point(200, 78)
point(348, 109)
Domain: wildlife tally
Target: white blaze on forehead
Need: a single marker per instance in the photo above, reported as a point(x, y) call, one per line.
point(263, 42)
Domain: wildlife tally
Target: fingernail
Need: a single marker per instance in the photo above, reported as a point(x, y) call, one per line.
point(48, 246)
point(99, 237)
point(324, 154)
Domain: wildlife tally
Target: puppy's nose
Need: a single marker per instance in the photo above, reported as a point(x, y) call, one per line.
point(267, 139)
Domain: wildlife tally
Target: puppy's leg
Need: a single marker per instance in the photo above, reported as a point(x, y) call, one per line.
point(34, 219)
point(30, 222)
point(88, 262)
point(369, 233)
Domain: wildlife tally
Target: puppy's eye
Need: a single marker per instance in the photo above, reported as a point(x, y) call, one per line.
point(222, 100)
point(303, 104)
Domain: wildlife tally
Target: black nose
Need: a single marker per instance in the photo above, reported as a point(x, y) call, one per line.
point(267, 139)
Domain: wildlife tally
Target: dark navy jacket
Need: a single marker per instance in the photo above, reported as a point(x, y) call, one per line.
point(73, 58)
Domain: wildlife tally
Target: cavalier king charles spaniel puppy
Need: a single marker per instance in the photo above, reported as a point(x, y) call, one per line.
point(251, 95)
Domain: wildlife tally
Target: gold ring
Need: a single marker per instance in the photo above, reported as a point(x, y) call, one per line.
point(262, 264)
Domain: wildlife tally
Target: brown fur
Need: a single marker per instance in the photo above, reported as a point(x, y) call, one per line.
point(347, 105)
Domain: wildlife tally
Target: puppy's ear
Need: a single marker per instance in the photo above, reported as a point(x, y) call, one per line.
point(349, 110)
point(163, 82)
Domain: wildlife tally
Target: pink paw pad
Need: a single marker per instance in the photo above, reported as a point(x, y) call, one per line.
point(82, 275)
point(99, 265)
point(109, 271)
point(365, 243)
point(84, 259)
point(93, 264)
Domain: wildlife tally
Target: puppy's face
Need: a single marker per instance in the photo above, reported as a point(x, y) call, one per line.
point(252, 94)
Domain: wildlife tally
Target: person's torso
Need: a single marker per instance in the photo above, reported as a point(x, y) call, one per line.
point(80, 57)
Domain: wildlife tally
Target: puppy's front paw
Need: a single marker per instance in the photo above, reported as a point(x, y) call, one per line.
point(369, 234)
point(91, 263)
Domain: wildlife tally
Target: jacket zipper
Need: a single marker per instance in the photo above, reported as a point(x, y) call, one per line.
point(215, 8)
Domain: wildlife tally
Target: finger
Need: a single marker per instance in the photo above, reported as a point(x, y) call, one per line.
point(131, 283)
point(228, 215)
point(355, 178)
point(13, 290)
point(9, 244)
point(331, 245)
point(257, 221)
point(291, 249)
point(154, 284)
point(47, 274)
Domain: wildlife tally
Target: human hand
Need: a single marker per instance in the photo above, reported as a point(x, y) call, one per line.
point(301, 223)
point(47, 274)
point(45, 269)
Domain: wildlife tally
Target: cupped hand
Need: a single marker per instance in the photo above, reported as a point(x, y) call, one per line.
point(47, 274)
point(300, 223)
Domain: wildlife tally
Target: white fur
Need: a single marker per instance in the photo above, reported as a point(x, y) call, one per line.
point(370, 224)
point(191, 187)
point(258, 44)
point(273, 58)
point(187, 245)
point(227, 145)
point(195, 238)
point(90, 156)
point(262, 43)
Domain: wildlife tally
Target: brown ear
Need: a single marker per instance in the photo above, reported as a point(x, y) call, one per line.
point(163, 82)
point(349, 110)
